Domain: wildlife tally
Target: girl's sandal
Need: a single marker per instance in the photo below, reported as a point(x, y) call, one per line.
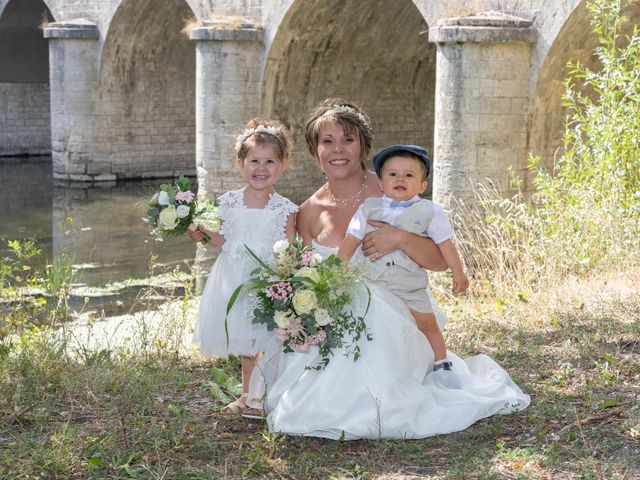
point(254, 414)
point(239, 405)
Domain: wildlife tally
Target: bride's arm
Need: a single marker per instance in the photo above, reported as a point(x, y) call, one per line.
point(303, 224)
point(290, 228)
point(421, 250)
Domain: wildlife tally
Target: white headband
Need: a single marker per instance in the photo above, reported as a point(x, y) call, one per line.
point(347, 108)
point(250, 131)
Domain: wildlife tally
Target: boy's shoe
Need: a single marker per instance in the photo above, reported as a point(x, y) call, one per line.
point(447, 365)
point(449, 379)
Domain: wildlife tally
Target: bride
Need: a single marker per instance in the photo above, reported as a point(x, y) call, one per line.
point(391, 391)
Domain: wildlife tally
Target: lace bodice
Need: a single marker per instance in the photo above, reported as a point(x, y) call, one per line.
point(258, 228)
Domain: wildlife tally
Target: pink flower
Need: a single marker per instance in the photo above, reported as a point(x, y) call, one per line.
point(300, 347)
point(305, 261)
point(281, 334)
point(295, 328)
point(185, 196)
point(279, 291)
point(317, 339)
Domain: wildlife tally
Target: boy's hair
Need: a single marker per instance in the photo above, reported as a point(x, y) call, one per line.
point(332, 111)
point(262, 131)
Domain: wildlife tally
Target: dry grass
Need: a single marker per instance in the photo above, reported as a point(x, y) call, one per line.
point(219, 22)
point(115, 415)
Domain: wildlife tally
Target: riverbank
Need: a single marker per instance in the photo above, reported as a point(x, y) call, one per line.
point(145, 406)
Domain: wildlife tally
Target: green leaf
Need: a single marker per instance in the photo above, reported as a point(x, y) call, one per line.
point(218, 375)
point(610, 359)
point(607, 404)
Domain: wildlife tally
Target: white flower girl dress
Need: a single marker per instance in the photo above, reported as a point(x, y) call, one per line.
point(259, 229)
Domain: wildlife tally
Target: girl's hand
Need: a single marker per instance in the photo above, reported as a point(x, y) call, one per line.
point(197, 232)
point(384, 240)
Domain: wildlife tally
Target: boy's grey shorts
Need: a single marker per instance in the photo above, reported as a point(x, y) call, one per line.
point(409, 286)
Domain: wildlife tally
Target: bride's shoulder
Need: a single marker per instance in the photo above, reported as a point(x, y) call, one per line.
point(311, 204)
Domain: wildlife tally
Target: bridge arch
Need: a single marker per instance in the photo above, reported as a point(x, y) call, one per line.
point(325, 48)
point(144, 122)
point(25, 125)
point(575, 41)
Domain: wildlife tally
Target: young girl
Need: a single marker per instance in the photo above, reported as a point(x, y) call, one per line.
point(255, 216)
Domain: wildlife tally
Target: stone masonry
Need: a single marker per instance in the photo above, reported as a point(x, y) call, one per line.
point(131, 93)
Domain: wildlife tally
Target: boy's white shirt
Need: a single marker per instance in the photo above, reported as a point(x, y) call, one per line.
point(439, 229)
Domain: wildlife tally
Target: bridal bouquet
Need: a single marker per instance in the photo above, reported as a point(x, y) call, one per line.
point(173, 209)
point(305, 299)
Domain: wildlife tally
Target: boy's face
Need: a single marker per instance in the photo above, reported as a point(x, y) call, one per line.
point(402, 178)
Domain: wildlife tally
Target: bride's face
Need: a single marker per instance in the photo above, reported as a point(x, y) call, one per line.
point(338, 151)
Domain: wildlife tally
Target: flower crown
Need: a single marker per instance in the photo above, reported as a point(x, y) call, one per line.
point(348, 109)
point(250, 131)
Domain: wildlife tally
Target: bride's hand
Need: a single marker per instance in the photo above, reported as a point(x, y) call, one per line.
point(384, 240)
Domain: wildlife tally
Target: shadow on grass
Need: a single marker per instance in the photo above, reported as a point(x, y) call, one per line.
point(117, 416)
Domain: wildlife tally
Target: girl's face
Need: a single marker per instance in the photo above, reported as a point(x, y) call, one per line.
point(338, 152)
point(262, 166)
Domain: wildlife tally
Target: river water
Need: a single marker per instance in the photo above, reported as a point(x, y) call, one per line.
point(99, 225)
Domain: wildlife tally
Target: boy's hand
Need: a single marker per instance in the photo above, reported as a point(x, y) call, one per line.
point(460, 282)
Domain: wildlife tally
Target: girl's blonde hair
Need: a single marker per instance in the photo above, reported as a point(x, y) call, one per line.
point(263, 131)
point(338, 111)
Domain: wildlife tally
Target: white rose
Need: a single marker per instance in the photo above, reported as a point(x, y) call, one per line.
point(169, 218)
point(280, 246)
point(322, 317)
point(182, 211)
point(163, 198)
point(283, 319)
point(304, 301)
point(315, 260)
point(307, 272)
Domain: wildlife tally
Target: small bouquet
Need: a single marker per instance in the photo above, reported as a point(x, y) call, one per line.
point(173, 210)
point(306, 300)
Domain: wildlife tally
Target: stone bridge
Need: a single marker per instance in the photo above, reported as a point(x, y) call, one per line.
point(120, 89)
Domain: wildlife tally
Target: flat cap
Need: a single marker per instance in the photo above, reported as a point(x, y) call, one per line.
point(381, 156)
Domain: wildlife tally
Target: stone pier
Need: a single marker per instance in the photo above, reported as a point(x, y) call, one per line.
point(228, 53)
point(480, 88)
point(73, 75)
point(482, 96)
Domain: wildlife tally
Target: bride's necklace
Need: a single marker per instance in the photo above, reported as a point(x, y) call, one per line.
point(353, 200)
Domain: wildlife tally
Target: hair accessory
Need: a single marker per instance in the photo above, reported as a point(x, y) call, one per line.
point(347, 108)
point(250, 131)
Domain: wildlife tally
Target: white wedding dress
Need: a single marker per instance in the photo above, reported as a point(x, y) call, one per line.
point(389, 392)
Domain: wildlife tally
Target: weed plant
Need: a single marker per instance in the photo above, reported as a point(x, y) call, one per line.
point(584, 213)
point(149, 409)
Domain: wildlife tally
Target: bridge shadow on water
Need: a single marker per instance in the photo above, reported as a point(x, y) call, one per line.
point(99, 225)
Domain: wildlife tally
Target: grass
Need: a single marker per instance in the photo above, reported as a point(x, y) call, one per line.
point(120, 414)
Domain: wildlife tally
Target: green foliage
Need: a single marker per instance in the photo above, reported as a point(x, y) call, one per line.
point(17, 278)
point(32, 296)
point(585, 211)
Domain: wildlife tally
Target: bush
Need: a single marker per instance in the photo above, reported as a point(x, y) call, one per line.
point(584, 213)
